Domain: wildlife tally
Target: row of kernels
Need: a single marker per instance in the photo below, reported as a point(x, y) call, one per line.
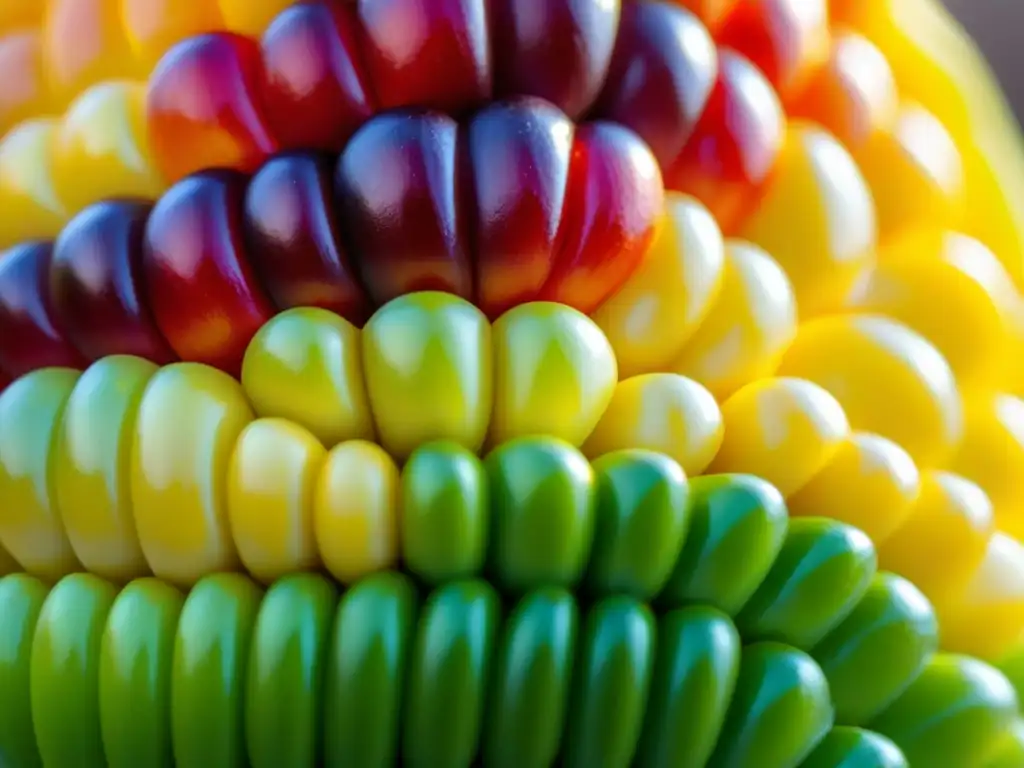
point(910, 161)
point(261, 86)
point(738, 321)
point(942, 160)
point(892, 382)
point(717, 135)
point(823, 256)
point(724, 314)
point(947, 286)
point(305, 669)
point(123, 276)
point(917, 178)
point(129, 469)
point(927, 353)
point(811, 173)
point(945, 157)
point(889, 380)
point(741, 314)
point(136, 469)
point(847, 242)
point(926, 277)
point(541, 368)
point(292, 504)
point(937, 65)
point(51, 51)
point(932, 526)
point(834, 242)
point(914, 168)
point(924, 52)
point(786, 42)
point(318, 382)
point(964, 300)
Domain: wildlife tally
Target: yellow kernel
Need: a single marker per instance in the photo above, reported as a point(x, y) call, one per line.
point(271, 485)
point(783, 430)
point(355, 510)
point(661, 412)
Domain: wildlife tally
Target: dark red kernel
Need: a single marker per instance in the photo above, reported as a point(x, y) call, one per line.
point(30, 334)
point(400, 196)
point(433, 54)
point(96, 283)
point(558, 50)
point(519, 154)
point(613, 205)
point(661, 76)
point(292, 237)
point(315, 89)
point(201, 289)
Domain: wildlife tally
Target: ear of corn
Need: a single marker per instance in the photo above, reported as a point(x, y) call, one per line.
point(450, 383)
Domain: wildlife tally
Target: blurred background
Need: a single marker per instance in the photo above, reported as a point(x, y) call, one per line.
point(998, 27)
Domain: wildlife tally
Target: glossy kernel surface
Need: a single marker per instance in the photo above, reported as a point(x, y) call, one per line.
point(408, 160)
point(422, 53)
point(751, 320)
point(671, 295)
point(784, 430)
point(96, 283)
point(33, 335)
point(270, 486)
point(554, 373)
point(218, 125)
point(521, 153)
point(435, 346)
point(662, 73)
point(92, 466)
point(102, 148)
point(30, 415)
point(188, 423)
point(305, 365)
point(926, 277)
point(559, 51)
point(915, 171)
point(919, 407)
point(613, 203)
point(661, 412)
point(27, 188)
point(951, 515)
point(315, 87)
point(786, 39)
point(734, 145)
point(293, 239)
point(355, 507)
point(835, 241)
point(853, 95)
point(193, 247)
